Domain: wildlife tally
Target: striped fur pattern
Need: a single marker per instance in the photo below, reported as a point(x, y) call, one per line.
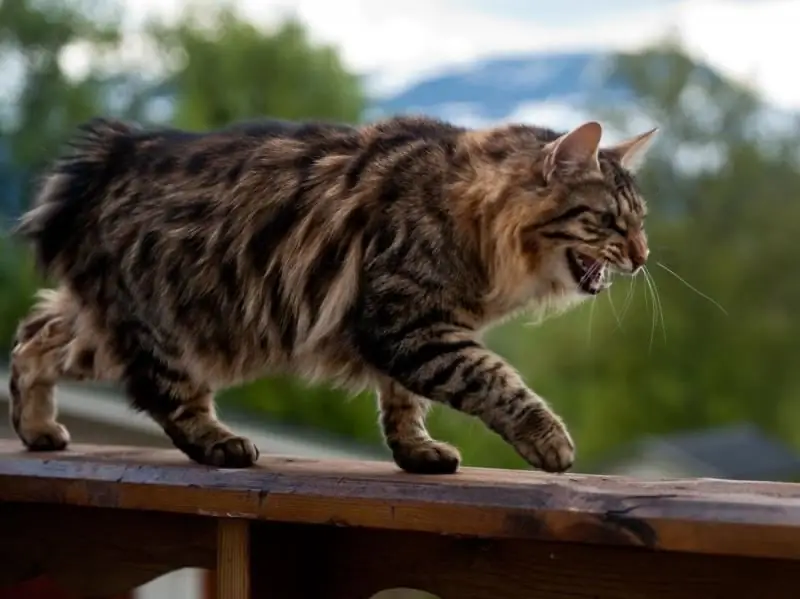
point(370, 256)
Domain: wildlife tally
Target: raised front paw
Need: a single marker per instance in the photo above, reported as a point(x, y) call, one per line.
point(542, 439)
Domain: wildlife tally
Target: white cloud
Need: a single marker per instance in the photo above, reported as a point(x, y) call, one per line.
point(755, 42)
point(398, 42)
point(401, 41)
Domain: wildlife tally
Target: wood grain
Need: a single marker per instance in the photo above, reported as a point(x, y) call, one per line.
point(233, 559)
point(701, 516)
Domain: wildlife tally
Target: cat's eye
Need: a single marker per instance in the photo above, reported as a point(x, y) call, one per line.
point(608, 220)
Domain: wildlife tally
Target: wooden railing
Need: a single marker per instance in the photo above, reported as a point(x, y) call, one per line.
point(103, 520)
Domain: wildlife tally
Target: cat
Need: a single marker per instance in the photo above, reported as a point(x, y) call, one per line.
point(364, 256)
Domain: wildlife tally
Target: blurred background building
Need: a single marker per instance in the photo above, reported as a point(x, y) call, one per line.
point(690, 371)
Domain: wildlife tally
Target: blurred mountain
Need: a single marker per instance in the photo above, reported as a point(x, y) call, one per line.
point(500, 88)
point(549, 89)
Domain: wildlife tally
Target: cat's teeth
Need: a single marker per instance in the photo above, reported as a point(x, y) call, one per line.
point(598, 279)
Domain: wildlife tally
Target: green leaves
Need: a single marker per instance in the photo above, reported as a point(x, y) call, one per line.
point(236, 71)
point(46, 103)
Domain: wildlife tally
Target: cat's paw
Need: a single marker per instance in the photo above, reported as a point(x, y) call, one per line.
point(427, 457)
point(234, 452)
point(47, 436)
point(543, 440)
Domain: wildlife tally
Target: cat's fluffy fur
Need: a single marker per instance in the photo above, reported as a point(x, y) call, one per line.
point(370, 256)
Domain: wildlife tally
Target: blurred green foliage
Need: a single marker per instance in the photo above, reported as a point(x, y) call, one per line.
point(236, 72)
point(19, 281)
point(625, 364)
point(34, 36)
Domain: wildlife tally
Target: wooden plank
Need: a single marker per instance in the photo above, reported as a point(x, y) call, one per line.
point(233, 559)
point(704, 516)
point(350, 563)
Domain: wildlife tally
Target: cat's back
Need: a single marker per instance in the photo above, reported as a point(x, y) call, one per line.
point(169, 160)
point(237, 136)
point(137, 198)
point(214, 156)
point(163, 182)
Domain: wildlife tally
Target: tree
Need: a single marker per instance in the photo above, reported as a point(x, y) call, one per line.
point(46, 103)
point(234, 71)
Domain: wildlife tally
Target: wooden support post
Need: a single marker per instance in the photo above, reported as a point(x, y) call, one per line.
point(233, 559)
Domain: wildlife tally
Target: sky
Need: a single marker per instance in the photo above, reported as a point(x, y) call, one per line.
point(398, 42)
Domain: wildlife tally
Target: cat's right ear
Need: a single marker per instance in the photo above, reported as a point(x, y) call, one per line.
point(574, 151)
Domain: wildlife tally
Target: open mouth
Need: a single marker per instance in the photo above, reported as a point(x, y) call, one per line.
point(589, 274)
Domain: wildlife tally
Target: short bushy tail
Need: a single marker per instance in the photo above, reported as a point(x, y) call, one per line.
point(61, 217)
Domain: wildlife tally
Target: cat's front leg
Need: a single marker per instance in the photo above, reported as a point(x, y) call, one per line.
point(454, 369)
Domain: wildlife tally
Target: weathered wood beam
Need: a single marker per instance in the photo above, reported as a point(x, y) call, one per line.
point(101, 521)
point(702, 516)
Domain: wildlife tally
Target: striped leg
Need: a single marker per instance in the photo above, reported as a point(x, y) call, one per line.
point(403, 425)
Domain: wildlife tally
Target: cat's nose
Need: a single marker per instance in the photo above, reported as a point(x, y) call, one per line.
point(638, 252)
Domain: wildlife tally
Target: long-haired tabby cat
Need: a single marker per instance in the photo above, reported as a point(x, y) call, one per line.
point(371, 256)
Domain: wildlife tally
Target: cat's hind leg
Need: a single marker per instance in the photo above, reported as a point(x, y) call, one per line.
point(185, 410)
point(49, 345)
point(402, 418)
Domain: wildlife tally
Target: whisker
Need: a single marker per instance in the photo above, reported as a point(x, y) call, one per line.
point(614, 311)
point(652, 312)
point(660, 305)
point(591, 316)
point(591, 272)
point(697, 291)
point(629, 296)
point(647, 299)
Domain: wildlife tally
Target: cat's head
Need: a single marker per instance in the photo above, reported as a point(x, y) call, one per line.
point(595, 221)
point(572, 213)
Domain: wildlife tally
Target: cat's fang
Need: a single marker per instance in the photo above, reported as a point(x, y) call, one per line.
point(588, 273)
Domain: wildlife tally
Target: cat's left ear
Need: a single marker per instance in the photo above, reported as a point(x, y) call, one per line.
point(631, 151)
point(576, 150)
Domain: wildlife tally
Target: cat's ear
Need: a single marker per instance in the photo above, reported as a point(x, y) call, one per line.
point(631, 151)
point(576, 150)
